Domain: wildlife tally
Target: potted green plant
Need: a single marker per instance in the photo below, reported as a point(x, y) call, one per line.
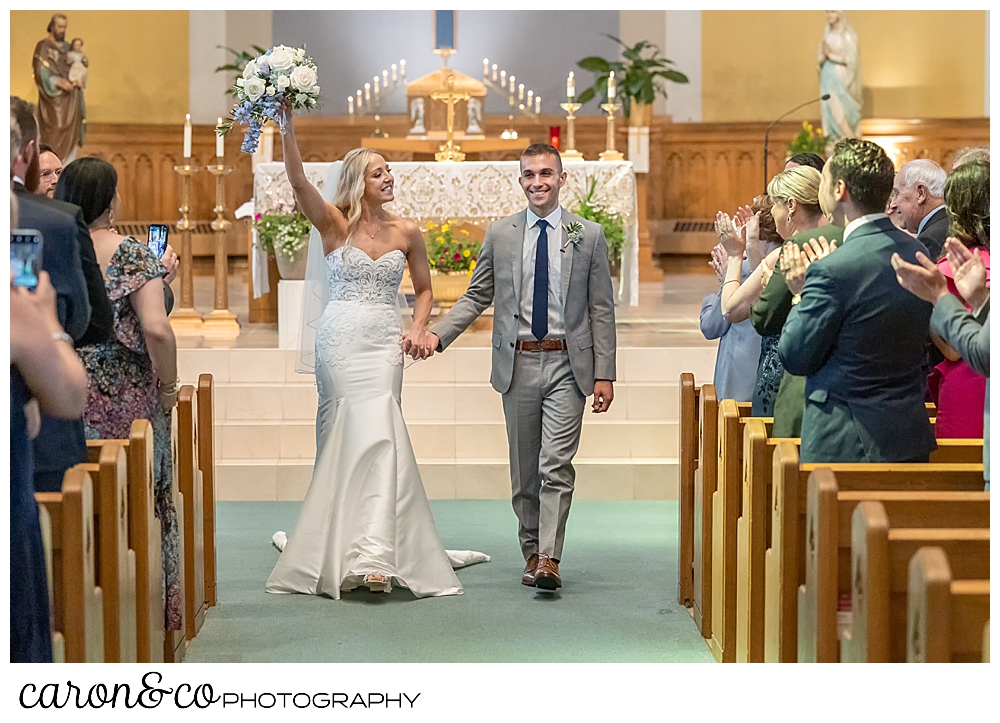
point(590, 208)
point(285, 235)
point(452, 255)
point(639, 79)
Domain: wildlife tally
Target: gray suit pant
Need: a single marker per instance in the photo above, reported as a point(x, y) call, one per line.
point(544, 413)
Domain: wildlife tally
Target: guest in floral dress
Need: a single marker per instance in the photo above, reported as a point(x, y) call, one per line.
point(134, 374)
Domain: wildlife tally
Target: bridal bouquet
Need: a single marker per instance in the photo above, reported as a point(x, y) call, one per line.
point(281, 74)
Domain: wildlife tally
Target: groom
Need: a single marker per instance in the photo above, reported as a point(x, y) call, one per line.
point(546, 272)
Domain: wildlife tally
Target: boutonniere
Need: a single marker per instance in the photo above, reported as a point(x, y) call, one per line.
point(574, 234)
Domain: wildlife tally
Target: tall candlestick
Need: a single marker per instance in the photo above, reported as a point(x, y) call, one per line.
point(394, 76)
point(494, 72)
point(187, 136)
point(571, 87)
point(486, 67)
point(385, 78)
point(503, 78)
point(220, 143)
point(611, 86)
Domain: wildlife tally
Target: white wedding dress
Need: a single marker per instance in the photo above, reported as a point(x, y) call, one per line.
point(366, 510)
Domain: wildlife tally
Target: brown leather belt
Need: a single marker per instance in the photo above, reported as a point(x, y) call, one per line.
point(544, 345)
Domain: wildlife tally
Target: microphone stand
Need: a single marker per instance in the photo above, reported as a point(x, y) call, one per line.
point(767, 133)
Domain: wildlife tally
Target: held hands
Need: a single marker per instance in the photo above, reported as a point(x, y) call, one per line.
point(420, 344)
point(732, 240)
point(969, 272)
point(604, 394)
point(922, 279)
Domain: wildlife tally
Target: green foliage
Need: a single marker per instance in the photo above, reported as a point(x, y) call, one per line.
point(282, 233)
point(639, 79)
point(591, 209)
point(448, 251)
point(809, 140)
point(239, 60)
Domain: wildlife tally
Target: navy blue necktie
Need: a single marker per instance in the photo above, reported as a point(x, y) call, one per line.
point(540, 300)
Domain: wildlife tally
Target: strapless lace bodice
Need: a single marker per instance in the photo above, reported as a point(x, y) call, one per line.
point(354, 276)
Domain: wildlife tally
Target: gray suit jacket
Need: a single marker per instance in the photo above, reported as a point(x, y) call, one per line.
point(970, 337)
point(588, 300)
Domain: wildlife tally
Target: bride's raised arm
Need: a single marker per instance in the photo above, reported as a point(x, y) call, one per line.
point(321, 214)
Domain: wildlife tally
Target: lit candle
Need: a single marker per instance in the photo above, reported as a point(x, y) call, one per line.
point(494, 72)
point(520, 92)
point(394, 75)
point(486, 67)
point(220, 143)
point(503, 78)
point(611, 87)
point(538, 104)
point(187, 136)
point(511, 83)
point(531, 98)
point(376, 88)
point(402, 69)
point(350, 105)
point(359, 101)
point(368, 93)
point(385, 78)
point(571, 87)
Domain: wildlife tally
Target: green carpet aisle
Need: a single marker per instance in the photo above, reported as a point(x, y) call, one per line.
point(618, 602)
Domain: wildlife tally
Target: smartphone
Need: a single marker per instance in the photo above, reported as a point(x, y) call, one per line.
point(26, 257)
point(158, 233)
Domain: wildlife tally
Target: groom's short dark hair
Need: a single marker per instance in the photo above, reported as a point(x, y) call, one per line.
point(543, 149)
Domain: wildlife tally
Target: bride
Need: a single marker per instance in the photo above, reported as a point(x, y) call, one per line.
point(365, 520)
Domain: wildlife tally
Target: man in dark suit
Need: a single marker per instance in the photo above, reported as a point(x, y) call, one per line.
point(83, 305)
point(854, 333)
point(918, 195)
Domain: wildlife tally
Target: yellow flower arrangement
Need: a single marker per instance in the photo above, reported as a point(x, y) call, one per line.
point(448, 250)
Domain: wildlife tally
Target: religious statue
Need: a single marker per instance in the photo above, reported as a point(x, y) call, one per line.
point(474, 109)
point(61, 111)
point(417, 117)
point(840, 76)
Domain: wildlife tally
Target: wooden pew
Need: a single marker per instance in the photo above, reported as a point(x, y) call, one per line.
point(688, 463)
point(189, 484)
point(77, 600)
point(945, 617)
point(828, 543)
point(704, 488)
point(725, 514)
point(784, 560)
point(58, 641)
point(986, 642)
point(880, 558)
point(115, 567)
point(175, 642)
point(206, 464)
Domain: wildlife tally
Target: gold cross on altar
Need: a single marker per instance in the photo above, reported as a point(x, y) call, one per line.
point(449, 151)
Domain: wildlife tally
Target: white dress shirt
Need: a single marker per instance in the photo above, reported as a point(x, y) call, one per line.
point(557, 327)
point(853, 225)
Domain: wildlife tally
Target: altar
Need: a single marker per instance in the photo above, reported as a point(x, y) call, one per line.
point(474, 192)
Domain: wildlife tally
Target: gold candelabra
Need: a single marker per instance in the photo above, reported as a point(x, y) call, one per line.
point(571, 154)
point(611, 154)
point(531, 108)
point(370, 103)
point(221, 323)
point(185, 319)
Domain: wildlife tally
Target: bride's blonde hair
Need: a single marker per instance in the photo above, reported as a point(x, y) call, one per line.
point(351, 187)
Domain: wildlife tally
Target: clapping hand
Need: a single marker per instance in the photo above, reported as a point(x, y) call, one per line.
point(795, 261)
point(922, 279)
point(969, 272)
point(732, 240)
point(719, 260)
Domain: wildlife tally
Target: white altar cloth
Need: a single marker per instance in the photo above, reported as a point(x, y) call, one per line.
point(476, 192)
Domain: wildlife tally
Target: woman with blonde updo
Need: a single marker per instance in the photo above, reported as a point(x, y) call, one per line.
point(365, 521)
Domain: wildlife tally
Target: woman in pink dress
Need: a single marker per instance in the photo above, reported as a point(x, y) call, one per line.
point(959, 391)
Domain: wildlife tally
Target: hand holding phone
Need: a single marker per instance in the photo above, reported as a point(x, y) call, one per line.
point(158, 233)
point(25, 257)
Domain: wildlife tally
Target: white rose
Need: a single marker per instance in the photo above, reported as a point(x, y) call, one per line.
point(254, 88)
point(271, 90)
point(249, 70)
point(282, 82)
point(280, 59)
point(300, 55)
point(303, 78)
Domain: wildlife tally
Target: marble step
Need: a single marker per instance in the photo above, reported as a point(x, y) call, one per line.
point(458, 441)
point(596, 478)
point(432, 401)
point(458, 364)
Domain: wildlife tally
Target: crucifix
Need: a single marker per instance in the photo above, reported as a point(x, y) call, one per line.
point(449, 151)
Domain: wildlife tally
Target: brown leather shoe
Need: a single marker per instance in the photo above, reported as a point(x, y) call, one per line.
point(547, 574)
point(528, 578)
